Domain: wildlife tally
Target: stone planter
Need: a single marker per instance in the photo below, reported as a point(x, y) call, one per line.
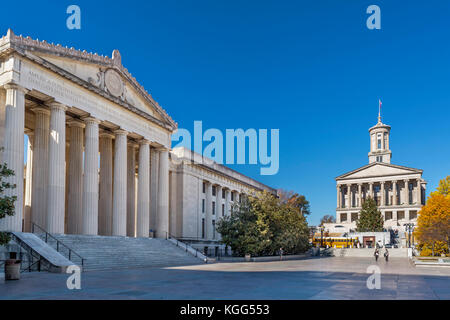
point(12, 269)
point(247, 258)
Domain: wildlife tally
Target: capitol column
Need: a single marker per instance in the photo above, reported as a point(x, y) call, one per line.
point(359, 195)
point(338, 190)
point(13, 152)
point(28, 183)
point(154, 184)
point(143, 202)
point(56, 166)
point(119, 221)
point(405, 193)
point(40, 160)
point(394, 192)
point(208, 210)
point(106, 185)
point(218, 202)
point(349, 196)
point(131, 189)
point(227, 202)
point(90, 182)
point(383, 194)
point(162, 220)
point(371, 190)
point(419, 192)
point(75, 183)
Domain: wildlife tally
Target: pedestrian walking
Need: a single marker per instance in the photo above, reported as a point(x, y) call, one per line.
point(376, 254)
point(386, 255)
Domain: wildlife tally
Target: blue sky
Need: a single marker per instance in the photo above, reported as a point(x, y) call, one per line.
point(309, 68)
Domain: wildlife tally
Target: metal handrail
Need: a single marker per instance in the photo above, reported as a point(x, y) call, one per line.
point(58, 243)
point(169, 236)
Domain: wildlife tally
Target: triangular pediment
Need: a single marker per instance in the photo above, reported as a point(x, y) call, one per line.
point(378, 169)
point(98, 73)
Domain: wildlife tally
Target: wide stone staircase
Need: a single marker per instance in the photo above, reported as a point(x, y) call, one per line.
point(113, 252)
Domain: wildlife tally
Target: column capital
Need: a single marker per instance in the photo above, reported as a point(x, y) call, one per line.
point(120, 132)
point(91, 120)
point(76, 123)
point(106, 134)
point(57, 105)
point(15, 86)
point(29, 132)
point(143, 142)
point(41, 110)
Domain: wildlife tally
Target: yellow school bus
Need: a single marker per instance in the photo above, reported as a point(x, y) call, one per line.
point(338, 242)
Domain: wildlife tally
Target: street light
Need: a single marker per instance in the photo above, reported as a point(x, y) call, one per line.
point(321, 235)
point(409, 227)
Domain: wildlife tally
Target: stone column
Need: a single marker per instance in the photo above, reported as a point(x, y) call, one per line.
point(394, 193)
point(131, 190)
point(383, 194)
point(75, 183)
point(218, 202)
point(56, 173)
point(208, 210)
point(163, 195)
point(359, 195)
point(349, 195)
point(419, 193)
point(106, 184)
point(154, 185)
point(40, 160)
point(227, 202)
point(338, 191)
point(90, 181)
point(13, 153)
point(28, 183)
point(371, 190)
point(119, 221)
point(143, 203)
point(405, 193)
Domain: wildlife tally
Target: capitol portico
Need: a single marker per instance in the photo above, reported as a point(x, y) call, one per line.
point(398, 191)
point(93, 135)
point(98, 158)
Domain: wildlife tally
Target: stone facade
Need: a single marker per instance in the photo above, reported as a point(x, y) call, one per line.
point(98, 159)
point(201, 192)
point(399, 191)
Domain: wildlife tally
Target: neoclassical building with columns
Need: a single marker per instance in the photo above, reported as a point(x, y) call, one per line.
point(202, 192)
point(398, 191)
point(98, 159)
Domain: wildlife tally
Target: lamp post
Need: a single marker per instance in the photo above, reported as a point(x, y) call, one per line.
point(321, 235)
point(409, 227)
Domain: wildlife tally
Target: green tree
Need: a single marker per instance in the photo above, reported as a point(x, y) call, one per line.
point(371, 219)
point(6, 202)
point(243, 230)
point(263, 224)
point(444, 186)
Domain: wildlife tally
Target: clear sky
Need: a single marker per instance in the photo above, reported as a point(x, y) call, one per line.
point(309, 68)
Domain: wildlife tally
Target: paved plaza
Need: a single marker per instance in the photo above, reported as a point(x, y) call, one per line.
point(315, 278)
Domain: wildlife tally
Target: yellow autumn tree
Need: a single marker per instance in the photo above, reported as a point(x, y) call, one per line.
point(433, 223)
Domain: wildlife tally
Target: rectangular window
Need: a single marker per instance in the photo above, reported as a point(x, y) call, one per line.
point(223, 193)
point(203, 228)
point(213, 190)
point(223, 210)
point(232, 196)
point(204, 187)
point(214, 228)
point(203, 205)
point(213, 207)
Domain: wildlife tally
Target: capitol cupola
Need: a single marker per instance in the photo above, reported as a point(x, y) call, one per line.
point(379, 141)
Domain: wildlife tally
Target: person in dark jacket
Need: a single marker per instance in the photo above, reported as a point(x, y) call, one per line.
point(386, 255)
point(376, 254)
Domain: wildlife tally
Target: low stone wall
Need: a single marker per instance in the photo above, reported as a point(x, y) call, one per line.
point(264, 259)
point(368, 253)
